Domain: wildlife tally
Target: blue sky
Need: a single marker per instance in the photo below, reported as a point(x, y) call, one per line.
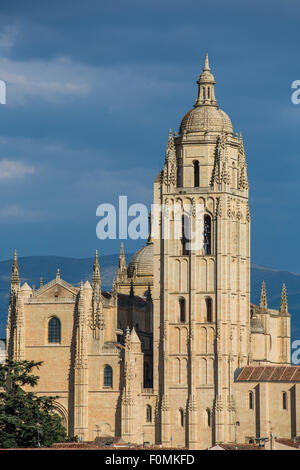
point(92, 90)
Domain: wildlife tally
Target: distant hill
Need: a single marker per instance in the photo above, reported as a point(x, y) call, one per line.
point(74, 270)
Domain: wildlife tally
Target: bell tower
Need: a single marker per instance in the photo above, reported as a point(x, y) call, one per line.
point(201, 275)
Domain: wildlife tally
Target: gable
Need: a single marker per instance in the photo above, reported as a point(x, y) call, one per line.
point(57, 290)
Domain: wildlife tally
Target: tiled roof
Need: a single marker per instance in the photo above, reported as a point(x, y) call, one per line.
point(241, 447)
point(269, 374)
point(288, 442)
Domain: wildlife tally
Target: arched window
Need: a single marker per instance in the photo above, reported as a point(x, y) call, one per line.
point(209, 317)
point(54, 330)
point(284, 401)
point(182, 309)
point(251, 402)
point(208, 416)
point(108, 376)
point(181, 417)
point(207, 235)
point(196, 173)
point(186, 235)
point(148, 414)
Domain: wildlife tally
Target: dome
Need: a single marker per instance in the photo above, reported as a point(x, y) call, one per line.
point(203, 118)
point(141, 264)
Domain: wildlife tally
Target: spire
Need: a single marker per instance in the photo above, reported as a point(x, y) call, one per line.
point(15, 277)
point(96, 280)
point(122, 268)
point(206, 86)
point(170, 170)
point(263, 303)
point(283, 302)
point(122, 259)
point(41, 282)
point(206, 63)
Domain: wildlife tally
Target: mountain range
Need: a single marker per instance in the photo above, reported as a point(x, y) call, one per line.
point(73, 270)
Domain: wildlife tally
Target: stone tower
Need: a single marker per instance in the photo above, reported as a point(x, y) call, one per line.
point(201, 319)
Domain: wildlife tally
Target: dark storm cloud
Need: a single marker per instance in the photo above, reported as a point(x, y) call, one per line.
point(93, 88)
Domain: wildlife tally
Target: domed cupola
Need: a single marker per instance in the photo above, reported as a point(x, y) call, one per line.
point(206, 115)
point(141, 264)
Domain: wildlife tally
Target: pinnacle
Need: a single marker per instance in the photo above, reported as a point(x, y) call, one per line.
point(206, 63)
point(263, 296)
point(283, 302)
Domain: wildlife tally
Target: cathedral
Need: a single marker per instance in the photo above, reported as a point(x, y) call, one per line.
point(175, 354)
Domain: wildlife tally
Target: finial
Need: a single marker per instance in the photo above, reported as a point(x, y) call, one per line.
point(206, 87)
point(206, 63)
point(57, 275)
point(96, 268)
point(263, 297)
point(283, 302)
point(15, 256)
point(96, 260)
point(41, 282)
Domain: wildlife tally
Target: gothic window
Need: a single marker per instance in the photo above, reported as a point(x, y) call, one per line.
point(182, 310)
point(185, 239)
point(251, 402)
point(54, 332)
point(196, 173)
point(208, 417)
point(181, 417)
point(209, 317)
point(108, 377)
point(207, 235)
point(149, 414)
point(284, 401)
point(203, 90)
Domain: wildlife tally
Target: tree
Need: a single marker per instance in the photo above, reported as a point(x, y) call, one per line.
point(26, 420)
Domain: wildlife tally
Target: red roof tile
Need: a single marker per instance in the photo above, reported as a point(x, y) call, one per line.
point(269, 374)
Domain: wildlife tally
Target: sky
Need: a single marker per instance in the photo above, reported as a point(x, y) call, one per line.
point(93, 88)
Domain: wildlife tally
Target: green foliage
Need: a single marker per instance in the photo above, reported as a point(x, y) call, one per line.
point(26, 420)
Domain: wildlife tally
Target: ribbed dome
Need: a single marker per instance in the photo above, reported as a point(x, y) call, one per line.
point(141, 264)
point(206, 118)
